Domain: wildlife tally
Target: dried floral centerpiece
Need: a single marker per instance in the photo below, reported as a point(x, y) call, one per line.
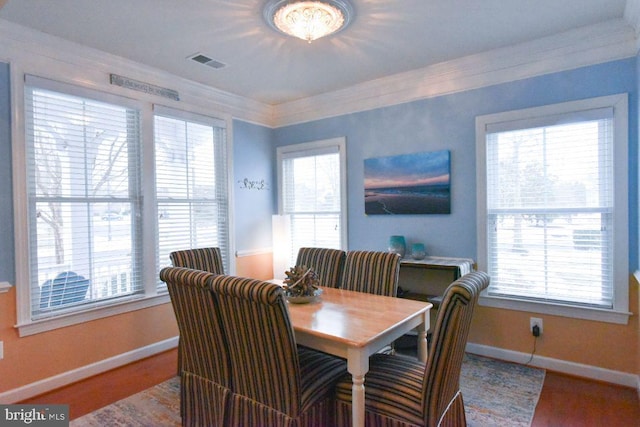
point(301, 284)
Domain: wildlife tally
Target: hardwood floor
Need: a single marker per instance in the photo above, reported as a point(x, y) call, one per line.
point(564, 402)
point(577, 402)
point(93, 393)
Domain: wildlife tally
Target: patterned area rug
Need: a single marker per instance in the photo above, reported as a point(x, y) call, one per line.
point(495, 394)
point(499, 393)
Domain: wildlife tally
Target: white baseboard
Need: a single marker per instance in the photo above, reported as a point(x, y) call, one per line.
point(557, 365)
point(61, 380)
point(571, 368)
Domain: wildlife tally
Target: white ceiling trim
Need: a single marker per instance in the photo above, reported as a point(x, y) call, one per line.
point(43, 54)
point(37, 51)
point(632, 16)
point(577, 48)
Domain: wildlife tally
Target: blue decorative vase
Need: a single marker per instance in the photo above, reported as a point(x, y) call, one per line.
point(397, 245)
point(418, 251)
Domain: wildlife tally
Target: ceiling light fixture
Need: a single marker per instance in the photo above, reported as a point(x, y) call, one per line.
point(308, 20)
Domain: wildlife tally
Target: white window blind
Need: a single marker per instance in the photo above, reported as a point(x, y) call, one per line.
point(191, 183)
point(312, 196)
point(83, 184)
point(550, 208)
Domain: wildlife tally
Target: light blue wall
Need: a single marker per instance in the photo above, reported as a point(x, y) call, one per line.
point(7, 260)
point(254, 185)
point(448, 122)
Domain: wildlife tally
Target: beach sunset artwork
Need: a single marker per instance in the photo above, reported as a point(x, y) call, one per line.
point(418, 183)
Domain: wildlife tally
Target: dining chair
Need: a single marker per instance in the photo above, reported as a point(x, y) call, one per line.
point(326, 262)
point(205, 259)
point(205, 383)
point(401, 391)
point(372, 272)
point(275, 382)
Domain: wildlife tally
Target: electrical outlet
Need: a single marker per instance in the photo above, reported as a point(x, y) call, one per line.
point(535, 321)
point(1, 350)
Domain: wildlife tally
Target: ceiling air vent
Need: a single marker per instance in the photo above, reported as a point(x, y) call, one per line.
point(209, 62)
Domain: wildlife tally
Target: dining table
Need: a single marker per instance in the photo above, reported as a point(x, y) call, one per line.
point(354, 325)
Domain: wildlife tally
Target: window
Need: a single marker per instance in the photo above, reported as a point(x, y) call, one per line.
point(552, 208)
point(191, 183)
point(312, 194)
point(84, 200)
point(97, 230)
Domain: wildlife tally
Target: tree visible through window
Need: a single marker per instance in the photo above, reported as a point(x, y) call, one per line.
point(312, 188)
point(191, 183)
point(550, 207)
point(83, 192)
point(100, 222)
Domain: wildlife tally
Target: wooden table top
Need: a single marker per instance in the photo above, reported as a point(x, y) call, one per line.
point(353, 318)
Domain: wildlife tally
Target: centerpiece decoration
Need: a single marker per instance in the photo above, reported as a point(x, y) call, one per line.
point(301, 284)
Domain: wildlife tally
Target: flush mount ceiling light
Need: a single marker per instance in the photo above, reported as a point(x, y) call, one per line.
point(308, 20)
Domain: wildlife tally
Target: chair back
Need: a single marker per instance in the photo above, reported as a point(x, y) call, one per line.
point(205, 259)
point(327, 263)
point(264, 360)
point(372, 272)
point(205, 364)
point(442, 399)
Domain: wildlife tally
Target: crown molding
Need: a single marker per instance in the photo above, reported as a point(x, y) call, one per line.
point(585, 46)
point(632, 14)
point(70, 62)
point(36, 51)
point(632, 17)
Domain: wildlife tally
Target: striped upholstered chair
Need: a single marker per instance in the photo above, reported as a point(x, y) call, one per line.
point(205, 381)
point(372, 272)
point(402, 392)
point(275, 382)
point(205, 259)
point(327, 263)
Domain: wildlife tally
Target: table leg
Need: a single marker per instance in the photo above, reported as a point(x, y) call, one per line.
point(422, 337)
point(357, 400)
point(358, 366)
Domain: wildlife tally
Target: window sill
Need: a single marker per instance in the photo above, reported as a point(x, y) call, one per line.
point(93, 313)
point(600, 315)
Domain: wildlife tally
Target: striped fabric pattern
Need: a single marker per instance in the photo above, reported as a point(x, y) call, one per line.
point(202, 402)
point(205, 259)
point(442, 380)
point(372, 272)
point(387, 397)
point(206, 365)
point(401, 392)
point(326, 262)
point(275, 384)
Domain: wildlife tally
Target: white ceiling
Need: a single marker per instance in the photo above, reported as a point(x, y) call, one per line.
point(387, 37)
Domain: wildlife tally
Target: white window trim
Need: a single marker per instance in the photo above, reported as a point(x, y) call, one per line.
point(24, 324)
point(308, 148)
point(620, 312)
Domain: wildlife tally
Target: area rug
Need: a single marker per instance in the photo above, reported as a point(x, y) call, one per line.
point(499, 393)
point(495, 393)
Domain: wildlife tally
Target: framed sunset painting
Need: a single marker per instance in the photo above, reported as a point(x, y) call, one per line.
point(417, 183)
